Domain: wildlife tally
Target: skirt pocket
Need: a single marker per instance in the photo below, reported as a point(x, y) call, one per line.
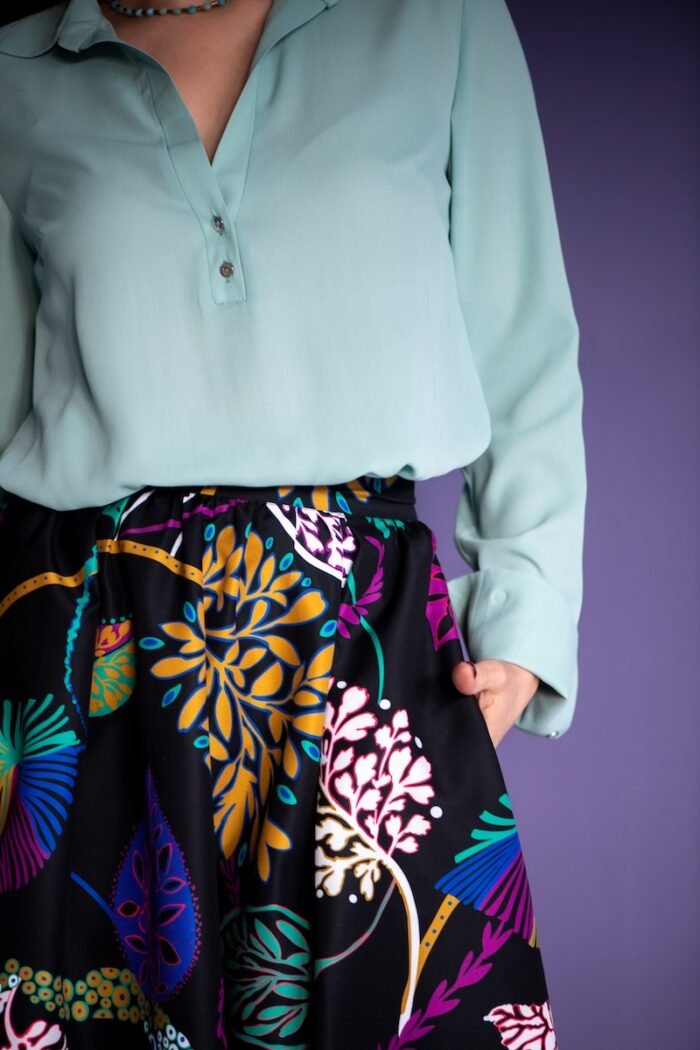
point(421, 889)
point(447, 640)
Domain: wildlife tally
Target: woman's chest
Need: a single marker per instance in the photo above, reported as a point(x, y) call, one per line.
point(207, 58)
point(108, 166)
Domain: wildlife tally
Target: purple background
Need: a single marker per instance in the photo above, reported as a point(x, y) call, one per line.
point(609, 813)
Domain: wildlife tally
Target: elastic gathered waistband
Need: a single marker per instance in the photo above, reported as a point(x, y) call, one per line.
point(369, 496)
point(392, 497)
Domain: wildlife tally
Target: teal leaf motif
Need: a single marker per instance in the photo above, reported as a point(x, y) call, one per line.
point(273, 1011)
point(268, 979)
point(172, 694)
point(294, 1024)
point(269, 939)
point(151, 643)
point(294, 935)
point(291, 991)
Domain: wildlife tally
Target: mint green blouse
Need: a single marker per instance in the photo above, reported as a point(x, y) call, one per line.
point(368, 279)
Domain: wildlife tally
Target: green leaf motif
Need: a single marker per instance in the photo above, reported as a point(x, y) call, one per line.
point(292, 933)
point(269, 978)
point(268, 938)
point(294, 1024)
point(291, 990)
point(273, 1011)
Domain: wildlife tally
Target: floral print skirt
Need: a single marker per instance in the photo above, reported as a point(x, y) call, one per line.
point(241, 801)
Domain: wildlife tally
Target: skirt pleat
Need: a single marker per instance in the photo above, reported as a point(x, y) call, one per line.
point(241, 801)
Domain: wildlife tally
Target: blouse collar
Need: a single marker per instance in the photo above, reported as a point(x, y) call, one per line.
point(77, 26)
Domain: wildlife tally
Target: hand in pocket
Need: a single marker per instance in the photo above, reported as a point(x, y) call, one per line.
point(502, 690)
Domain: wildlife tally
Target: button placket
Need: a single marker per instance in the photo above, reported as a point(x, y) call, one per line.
point(213, 201)
point(227, 268)
point(209, 198)
point(222, 255)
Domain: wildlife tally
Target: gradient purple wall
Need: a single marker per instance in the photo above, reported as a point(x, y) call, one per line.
point(609, 814)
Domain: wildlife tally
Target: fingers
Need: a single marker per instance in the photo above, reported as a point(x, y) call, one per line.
point(464, 676)
point(484, 676)
point(502, 690)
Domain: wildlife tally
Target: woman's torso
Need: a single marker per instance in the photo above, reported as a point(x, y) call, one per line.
point(285, 313)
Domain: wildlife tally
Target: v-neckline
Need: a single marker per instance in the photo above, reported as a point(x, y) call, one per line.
point(262, 42)
point(213, 165)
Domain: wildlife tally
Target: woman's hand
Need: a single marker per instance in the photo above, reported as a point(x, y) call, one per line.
point(503, 690)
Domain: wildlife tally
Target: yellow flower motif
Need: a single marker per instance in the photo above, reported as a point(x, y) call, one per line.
point(251, 692)
point(192, 657)
point(271, 837)
point(220, 569)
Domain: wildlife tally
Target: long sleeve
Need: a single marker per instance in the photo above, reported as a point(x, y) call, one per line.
point(520, 517)
point(18, 304)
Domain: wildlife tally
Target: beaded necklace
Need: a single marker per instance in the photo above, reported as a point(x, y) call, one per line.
point(147, 12)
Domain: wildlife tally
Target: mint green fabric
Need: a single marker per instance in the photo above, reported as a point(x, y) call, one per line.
point(395, 299)
point(520, 519)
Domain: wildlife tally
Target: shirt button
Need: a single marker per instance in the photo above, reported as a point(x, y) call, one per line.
point(553, 733)
point(499, 596)
point(226, 269)
point(218, 224)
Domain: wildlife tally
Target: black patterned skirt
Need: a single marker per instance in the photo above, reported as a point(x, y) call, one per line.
point(241, 801)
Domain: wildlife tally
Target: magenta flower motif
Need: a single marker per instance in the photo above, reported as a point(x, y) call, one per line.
point(231, 878)
point(351, 614)
point(438, 607)
point(220, 1030)
point(444, 998)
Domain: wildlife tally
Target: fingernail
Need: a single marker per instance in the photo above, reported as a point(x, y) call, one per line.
point(472, 664)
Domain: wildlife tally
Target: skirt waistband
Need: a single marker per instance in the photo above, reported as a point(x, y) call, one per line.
point(367, 495)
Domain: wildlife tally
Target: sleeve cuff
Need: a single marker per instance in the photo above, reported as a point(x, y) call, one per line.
point(505, 614)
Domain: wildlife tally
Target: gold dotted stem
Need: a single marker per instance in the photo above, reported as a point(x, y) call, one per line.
point(435, 928)
point(141, 550)
point(43, 580)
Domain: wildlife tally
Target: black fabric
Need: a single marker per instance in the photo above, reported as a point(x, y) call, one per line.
point(241, 801)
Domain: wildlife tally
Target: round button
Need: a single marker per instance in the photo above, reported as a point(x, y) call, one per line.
point(218, 224)
point(226, 269)
point(555, 732)
point(498, 597)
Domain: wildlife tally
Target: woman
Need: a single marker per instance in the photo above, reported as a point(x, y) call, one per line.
point(265, 264)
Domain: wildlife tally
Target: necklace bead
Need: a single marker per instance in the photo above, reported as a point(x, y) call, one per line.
point(147, 12)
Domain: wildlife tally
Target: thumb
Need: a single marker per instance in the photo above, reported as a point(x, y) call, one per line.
point(468, 677)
